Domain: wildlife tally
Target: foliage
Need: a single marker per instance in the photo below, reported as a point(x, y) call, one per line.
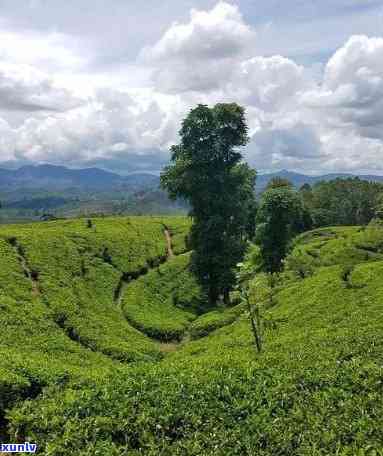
point(379, 206)
point(280, 215)
point(335, 245)
point(206, 171)
point(300, 262)
point(278, 182)
point(210, 321)
point(179, 227)
point(350, 201)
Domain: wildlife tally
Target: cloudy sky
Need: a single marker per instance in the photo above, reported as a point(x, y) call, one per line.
point(107, 82)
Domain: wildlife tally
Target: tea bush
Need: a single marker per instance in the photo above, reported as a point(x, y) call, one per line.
point(215, 319)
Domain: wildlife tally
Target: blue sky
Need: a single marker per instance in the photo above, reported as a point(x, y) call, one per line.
point(107, 82)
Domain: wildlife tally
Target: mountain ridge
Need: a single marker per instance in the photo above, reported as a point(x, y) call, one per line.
point(52, 177)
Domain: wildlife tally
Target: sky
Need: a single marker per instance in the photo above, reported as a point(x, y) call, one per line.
point(107, 82)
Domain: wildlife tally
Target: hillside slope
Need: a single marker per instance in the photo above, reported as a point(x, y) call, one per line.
point(315, 389)
point(59, 283)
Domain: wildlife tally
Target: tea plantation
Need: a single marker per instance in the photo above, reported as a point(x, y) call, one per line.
point(89, 310)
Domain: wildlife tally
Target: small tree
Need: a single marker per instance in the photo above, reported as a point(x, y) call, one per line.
point(280, 216)
point(256, 291)
point(244, 276)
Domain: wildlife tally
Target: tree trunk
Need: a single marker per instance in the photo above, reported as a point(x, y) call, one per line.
point(255, 319)
point(226, 297)
point(213, 296)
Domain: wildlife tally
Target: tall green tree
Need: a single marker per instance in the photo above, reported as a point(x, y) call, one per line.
point(207, 170)
point(281, 214)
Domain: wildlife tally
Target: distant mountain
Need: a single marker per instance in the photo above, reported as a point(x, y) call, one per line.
point(59, 178)
point(299, 179)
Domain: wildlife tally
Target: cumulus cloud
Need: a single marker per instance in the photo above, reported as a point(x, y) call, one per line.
point(24, 88)
point(285, 148)
point(351, 96)
point(200, 54)
point(109, 125)
point(269, 82)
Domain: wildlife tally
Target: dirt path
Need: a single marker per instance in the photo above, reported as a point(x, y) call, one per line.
point(168, 237)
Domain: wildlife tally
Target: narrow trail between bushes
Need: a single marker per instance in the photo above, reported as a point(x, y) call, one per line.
point(168, 237)
point(126, 278)
point(31, 275)
point(119, 292)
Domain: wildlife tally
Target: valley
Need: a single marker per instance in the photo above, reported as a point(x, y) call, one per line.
point(107, 344)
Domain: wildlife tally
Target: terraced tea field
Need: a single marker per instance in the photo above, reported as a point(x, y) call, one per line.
point(105, 347)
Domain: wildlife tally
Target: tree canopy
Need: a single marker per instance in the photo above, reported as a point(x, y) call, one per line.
point(350, 201)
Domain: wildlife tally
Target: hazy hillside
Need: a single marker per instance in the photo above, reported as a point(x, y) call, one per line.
point(32, 191)
point(299, 179)
point(57, 178)
point(54, 178)
point(94, 300)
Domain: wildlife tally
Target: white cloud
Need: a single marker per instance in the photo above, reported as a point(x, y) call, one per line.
point(200, 54)
point(53, 51)
point(297, 147)
point(218, 33)
point(269, 82)
point(111, 123)
point(24, 88)
point(351, 96)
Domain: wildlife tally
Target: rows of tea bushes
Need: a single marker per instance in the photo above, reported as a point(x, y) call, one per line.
point(59, 318)
point(164, 302)
point(339, 245)
point(215, 319)
point(314, 390)
point(34, 351)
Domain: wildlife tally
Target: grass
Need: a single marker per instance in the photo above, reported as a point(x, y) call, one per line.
point(314, 390)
